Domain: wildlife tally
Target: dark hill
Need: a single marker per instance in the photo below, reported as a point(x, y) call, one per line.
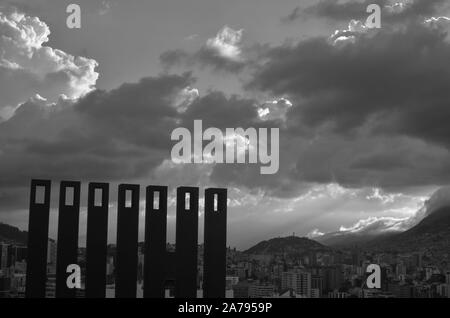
point(288, 245)
point(10, 233)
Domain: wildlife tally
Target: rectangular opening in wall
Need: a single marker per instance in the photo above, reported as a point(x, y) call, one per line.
point(70, 196)
point(39, 197)
point(98, 197)
point(156, 198)
point(187, 201)
point(216, 202)
point(128, 197)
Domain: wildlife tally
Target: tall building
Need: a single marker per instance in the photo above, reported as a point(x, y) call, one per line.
point(3, 257)
point(442, 290)
point(332, 278)
point(261, 290)
point(400, 270)
point(18, 284)
point(50, 285)
point(298, 281)
point(317, 284)
point(447, 284)
point(21, 253)
point(11, 256)
point(51, 252)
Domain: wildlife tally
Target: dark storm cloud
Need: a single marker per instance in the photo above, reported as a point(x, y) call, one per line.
point(217, 110)
point(388, 162)
point(143, 113)
point(280, 185)
point(396, 79)
point(370, 111)
point(120, 134)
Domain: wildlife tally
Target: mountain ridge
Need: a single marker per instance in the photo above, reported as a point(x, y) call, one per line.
point(432, 232)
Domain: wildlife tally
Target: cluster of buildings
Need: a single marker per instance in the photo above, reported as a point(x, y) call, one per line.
point(337, 274)
point(316, 274)
point(12, 270)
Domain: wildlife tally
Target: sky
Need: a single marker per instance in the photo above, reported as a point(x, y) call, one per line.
point(363, 112)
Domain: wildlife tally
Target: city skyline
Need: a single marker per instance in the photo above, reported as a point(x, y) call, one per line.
point(289, 267)
point(312, 272)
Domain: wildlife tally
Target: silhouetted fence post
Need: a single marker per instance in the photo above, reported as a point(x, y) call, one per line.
point(215, 243)
point(127, 241)
point(67, 243)
point(38, 240)
point(155, 241)
point(96, 240)
point(186, 245)
point(126, 261)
